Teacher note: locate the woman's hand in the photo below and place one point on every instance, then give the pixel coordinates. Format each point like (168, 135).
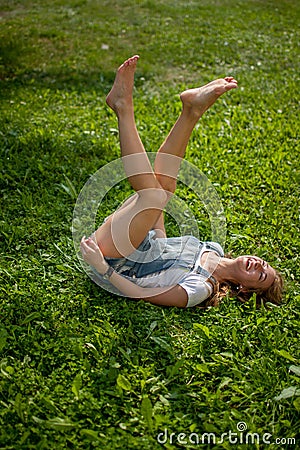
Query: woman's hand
(172, 296)
(92, 254)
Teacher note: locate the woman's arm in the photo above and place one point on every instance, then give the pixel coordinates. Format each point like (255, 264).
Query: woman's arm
(165, 296)
(172, 296)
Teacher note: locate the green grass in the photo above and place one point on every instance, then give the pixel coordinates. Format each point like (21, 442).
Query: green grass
(79, 367)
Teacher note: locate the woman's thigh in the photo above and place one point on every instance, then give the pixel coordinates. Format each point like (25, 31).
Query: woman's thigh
(124, 230)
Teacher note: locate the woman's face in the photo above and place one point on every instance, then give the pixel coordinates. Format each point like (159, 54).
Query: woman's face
(254, 272)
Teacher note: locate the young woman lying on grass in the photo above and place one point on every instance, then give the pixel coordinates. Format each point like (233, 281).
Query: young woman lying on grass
(131, 250)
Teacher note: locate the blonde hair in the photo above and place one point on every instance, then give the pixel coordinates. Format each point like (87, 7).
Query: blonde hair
(272, 294)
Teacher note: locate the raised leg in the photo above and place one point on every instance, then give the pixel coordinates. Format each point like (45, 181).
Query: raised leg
(159, 225)
(128, 226)
(194, 104)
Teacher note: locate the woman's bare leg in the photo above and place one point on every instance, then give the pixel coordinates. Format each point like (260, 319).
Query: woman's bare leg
(159, 225)
(128, 226)
(194, 104)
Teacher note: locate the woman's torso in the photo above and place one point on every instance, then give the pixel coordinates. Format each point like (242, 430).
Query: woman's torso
(164, 261)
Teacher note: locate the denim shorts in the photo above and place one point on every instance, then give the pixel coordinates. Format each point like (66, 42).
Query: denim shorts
(154, 255)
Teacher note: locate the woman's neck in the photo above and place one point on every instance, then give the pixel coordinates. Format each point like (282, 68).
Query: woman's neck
(220, 267)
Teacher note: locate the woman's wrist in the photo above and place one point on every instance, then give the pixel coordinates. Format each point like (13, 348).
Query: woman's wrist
(102, 268)
(108, 273)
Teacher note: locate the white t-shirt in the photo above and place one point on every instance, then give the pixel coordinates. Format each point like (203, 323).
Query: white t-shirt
(196, 285)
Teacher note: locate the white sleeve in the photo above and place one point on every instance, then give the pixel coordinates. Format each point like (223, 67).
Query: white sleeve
(196, 288)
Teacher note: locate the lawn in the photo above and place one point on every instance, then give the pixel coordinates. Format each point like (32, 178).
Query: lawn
(80, 367)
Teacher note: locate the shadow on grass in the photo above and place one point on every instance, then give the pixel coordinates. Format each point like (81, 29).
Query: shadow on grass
(62, 76)
(15, 75)
(56, 79)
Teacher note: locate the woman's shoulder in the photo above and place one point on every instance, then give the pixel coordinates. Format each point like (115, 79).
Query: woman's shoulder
(214, 246)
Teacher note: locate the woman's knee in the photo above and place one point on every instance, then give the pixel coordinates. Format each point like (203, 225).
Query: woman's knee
(154, 197)
(167, 183)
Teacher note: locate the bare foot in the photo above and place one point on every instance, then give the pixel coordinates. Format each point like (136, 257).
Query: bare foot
(200, 99)
(121, 93)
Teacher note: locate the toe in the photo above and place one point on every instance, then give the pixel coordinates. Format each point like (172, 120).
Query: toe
(133, 59)
(230, 80)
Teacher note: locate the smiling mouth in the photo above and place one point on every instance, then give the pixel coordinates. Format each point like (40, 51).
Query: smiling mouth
(248, 265)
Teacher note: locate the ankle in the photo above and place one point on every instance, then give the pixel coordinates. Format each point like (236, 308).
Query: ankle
(121, 107)
(124, 112)
(191, 113)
